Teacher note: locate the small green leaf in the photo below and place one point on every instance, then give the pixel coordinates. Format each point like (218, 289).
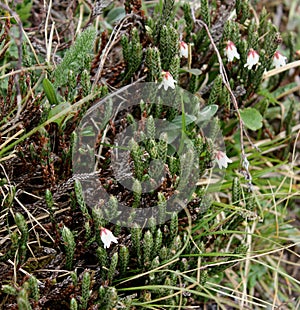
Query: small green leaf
(50, 92)
(251, 118)
(115, 14)
(189, 119)
(268, 95)
(209, 111)
(57, 109)
(192, 71)
(174, 128)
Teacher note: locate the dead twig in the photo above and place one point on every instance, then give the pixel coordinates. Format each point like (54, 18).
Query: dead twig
(112, 40)
(275, 71)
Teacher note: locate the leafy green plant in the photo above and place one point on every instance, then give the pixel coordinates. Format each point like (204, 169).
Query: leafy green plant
(86, 282)
(70, 245)
(22, 225)
(230, 247)
(132, 53)
(75, 58)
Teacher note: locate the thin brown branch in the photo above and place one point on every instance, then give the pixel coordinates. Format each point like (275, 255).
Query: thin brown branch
(275, 71)
(114, 37)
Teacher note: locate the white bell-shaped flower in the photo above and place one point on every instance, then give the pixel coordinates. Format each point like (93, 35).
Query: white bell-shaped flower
(167, 81)
(107, 237)
(184, 49)
(279, 60)
(231, 51)
(252, 59)
(222, 160)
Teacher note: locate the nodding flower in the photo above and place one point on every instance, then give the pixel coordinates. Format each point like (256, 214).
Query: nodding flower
(107, 237)
(167, 81)
(231, 51)
(252, 59)
(184, 49)
(222, 159)
(279, 60)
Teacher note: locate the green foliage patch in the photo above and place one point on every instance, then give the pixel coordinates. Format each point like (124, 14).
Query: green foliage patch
(233, 246)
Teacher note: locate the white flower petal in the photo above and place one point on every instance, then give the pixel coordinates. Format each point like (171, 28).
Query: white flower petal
(167, 81)
(107, 237)
(279, 60)
(184, 50)
(222, 160)
(231, 51)
(252, 59)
